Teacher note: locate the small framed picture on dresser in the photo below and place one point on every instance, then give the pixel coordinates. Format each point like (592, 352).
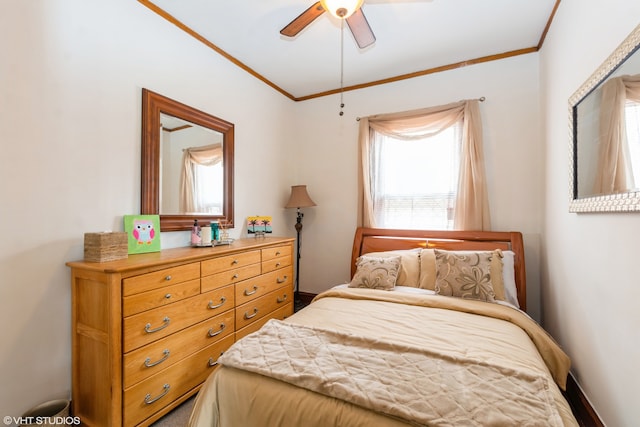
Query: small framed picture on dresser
(143, 233)
(258, 225)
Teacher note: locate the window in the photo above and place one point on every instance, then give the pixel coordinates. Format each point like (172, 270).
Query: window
(632, 122)
(208, 195)
(415, 181)
(424, 169)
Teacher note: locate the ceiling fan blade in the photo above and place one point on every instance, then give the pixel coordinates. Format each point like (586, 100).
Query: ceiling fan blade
(360, 29)
(304, 19)
(398, 1)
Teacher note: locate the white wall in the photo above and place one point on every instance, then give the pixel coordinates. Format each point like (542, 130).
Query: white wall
(70, 82)
(328, 159)
(589, 283)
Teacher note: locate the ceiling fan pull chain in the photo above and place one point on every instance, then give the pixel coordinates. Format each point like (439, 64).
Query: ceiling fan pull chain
(341, 66)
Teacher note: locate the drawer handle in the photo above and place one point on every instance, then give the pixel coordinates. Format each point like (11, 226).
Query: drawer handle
(149, 400)
(168, 278)
(279, 280)
(150, 364)
(147, 327)
(213, 334)
(213, 307)
(278, 264)
(277, 253)
(168, 296)
(247, 292)
(234, 262)
(248, 316)
(281, 300)
(235, 276)
(212, 362)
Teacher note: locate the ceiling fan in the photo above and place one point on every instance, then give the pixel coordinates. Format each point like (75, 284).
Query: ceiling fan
(348, 10)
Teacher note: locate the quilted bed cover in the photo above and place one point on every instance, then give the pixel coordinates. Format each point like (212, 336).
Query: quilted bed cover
(361, 357)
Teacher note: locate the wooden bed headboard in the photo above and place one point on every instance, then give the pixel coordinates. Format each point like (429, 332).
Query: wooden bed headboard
(377, 239)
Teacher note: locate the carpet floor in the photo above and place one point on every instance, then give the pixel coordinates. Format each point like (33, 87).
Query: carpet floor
(178, 417)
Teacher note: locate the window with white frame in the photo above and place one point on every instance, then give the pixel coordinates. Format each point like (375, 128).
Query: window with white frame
(415, 181)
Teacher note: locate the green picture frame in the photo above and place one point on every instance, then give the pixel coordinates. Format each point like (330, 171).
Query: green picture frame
(143, 233)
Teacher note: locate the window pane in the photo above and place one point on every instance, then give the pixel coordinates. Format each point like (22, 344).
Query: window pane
(632, 120)
(416, 181)
(208, 190)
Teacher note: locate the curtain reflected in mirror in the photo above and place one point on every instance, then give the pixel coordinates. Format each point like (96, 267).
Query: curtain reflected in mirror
(192, 168)
(605, 130)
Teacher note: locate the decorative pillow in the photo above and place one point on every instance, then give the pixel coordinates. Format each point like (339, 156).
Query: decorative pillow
(502, 276)
(376, 272)
(464, 274)
(409, 274)
(497, 280)
(427, 269)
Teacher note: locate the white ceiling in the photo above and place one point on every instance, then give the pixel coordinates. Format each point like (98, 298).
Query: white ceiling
(413, 36)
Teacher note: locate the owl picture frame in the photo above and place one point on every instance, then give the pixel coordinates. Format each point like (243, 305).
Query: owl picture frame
(143, 233)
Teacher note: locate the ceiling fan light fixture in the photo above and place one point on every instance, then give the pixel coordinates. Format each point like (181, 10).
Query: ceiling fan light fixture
(341, 9)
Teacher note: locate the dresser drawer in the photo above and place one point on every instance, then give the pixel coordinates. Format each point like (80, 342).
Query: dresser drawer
(276, 263)
(144, 301)
(152, 358)
(277, 252)
(280, 314)
(158, 279)
(217, 280)
(230, 262)
(251, 289)
(151, 395)
(260, 307)
(146, 327)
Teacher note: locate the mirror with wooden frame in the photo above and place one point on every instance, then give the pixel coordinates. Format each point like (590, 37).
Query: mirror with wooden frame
(187, 164)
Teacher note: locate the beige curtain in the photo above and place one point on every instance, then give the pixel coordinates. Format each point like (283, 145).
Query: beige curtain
(208, 155)
(472, 204)
(613, 160)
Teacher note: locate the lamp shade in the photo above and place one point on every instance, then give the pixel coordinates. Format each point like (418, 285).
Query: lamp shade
(341, 8)
(299, 198)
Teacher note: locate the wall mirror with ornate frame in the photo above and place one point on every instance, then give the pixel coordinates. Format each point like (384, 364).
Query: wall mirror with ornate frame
(187, 164)
(604, 124)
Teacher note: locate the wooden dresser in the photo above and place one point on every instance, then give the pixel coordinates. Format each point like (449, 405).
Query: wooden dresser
(147, 330)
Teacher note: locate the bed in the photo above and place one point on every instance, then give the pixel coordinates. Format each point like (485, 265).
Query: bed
(427, 333)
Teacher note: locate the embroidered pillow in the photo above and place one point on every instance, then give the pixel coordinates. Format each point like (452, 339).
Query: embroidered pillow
(376, 272)
(464, 275)
(409, 273)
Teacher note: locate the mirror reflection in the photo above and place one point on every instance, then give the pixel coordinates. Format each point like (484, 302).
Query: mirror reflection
(608, 134)
(605, 129)
(192, 167)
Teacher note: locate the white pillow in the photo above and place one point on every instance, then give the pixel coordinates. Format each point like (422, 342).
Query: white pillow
(509, 278)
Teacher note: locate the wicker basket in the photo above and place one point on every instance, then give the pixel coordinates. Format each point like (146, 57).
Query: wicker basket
(51, 413)
(105, 246)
